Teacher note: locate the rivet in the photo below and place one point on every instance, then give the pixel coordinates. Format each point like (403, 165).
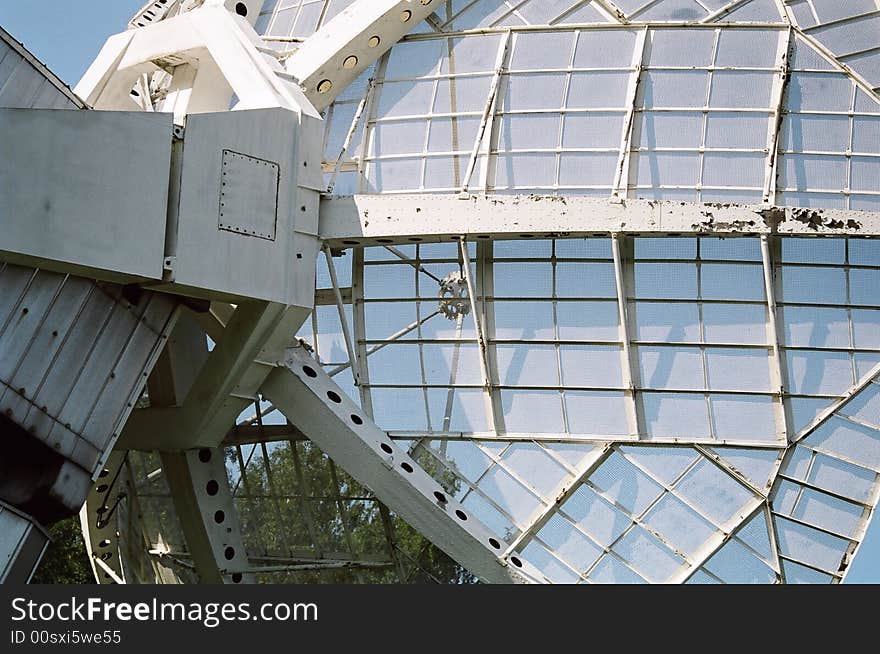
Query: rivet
(324, 86)
(405, 15)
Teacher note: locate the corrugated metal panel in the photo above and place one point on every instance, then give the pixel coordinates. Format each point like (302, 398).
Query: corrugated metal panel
(74, 355)
(26, 83)
(22, 543)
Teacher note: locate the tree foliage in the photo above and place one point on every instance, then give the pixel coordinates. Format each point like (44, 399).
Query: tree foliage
(65, 560)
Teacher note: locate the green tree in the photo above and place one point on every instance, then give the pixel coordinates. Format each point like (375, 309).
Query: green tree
(65, 560)
(302, 504)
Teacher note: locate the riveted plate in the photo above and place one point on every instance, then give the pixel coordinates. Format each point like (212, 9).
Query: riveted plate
(248, 195)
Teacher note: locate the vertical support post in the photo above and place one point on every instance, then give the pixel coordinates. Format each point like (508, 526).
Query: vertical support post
(360, 330)
(493, 415)
(777, 371)
(343, 320)
(629, 364)
(784, 52)
(488, 110)
(621, 174)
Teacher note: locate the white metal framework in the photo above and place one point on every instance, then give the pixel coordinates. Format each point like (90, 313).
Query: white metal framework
(596, 294)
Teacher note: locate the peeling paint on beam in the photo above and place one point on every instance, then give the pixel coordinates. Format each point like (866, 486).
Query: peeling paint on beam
(382, 219)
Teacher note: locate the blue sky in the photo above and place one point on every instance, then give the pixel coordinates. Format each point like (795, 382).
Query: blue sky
(64, 34)
(67, 35)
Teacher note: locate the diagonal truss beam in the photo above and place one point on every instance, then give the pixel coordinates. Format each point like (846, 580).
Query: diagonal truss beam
(332, 58)
(304, 392)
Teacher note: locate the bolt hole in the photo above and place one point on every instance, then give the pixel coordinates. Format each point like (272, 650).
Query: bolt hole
(406, 466)
(229, 553)
(386, 448)
(310, 372)
(241, 9)
(494, 543)
(334, 397)
(219, 517)
(236, 577)
(103, 473)
(440, 497)
(356, 419)
(102, 488)
(204, 455)
(212, 487)
(384, 240)
(516, 561)
(461, 514)
(104, 543)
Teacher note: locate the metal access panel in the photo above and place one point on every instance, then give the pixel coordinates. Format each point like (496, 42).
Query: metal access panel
(249, 196)
(235, 233)
(85, 190)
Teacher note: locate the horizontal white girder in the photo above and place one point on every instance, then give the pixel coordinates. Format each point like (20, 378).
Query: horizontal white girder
(382, 219)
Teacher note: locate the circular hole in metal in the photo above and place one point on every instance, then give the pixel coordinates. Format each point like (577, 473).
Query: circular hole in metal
(219, 517)
(414, 239)
(350, 62)
(204, 455)
(384, 240)
(241, 8)
(374, 42)
(356, 419)
(236, 577)
(461, 515)
(350, 243)
(104, 543)
(229, 553)
(106, 556)
(324, 86)
(406, 466)
(440, 497)
(310, 372)
(527, 236)
(103, 473)
(102, 488)
(212, 487)
(494, 543)
(405, 16)
(516, 561)
(386, 448)
(334, 397)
